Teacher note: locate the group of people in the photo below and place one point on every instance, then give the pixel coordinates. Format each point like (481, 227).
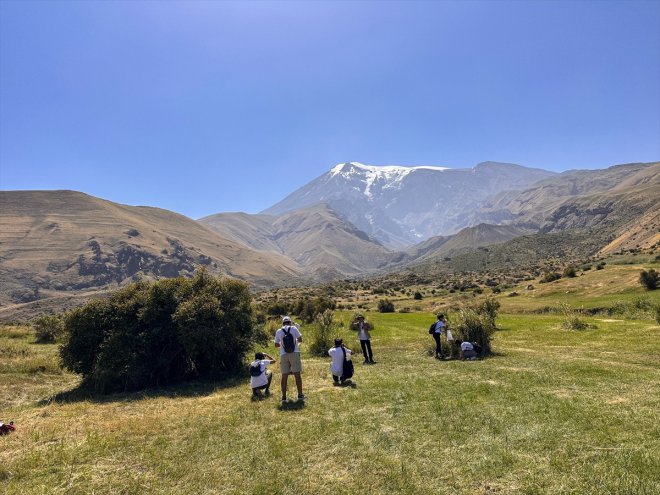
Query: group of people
(288, 340)
(468, 350)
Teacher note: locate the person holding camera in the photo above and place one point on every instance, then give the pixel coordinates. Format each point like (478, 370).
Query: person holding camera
(260, 376)
(288, 339)
(362, 327)
(338, 367)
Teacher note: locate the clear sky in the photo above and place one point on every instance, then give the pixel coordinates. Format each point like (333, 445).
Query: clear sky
(202, 107)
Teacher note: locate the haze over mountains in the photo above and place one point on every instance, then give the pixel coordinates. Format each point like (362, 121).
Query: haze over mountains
(401, 206)
(353, 220)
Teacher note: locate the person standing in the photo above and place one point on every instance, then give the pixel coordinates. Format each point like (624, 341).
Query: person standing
(260, 376)
(288, 339)
(363, 327)
(438, 329)
(339, 355)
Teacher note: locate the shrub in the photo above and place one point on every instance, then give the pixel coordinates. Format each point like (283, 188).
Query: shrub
(322, 333)
(569, 272)
(152, 334)
(649, 279)
(307, 309)
(639, 308)
(385, 306)
(48, 328)
(278, 308)
(489, 308)
(572, 320)
(549, 277)
(472, 326)
(418, 296)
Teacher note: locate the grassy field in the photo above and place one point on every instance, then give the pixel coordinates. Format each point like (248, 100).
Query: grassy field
(554, 411)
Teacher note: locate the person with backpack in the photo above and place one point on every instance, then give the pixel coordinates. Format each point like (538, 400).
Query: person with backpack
(260, 376)
(437, 329)
(288, 339)
(341, 366)
(363, 327)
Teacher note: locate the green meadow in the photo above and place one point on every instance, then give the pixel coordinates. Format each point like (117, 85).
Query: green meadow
(554, 411)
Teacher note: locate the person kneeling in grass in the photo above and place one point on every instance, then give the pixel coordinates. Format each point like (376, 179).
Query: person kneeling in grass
(260, 376)
(339, 355)
(467, 350)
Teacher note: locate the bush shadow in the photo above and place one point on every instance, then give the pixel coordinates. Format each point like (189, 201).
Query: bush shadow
(181, 390)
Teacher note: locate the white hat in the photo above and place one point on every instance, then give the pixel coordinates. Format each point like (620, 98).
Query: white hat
(286, 319)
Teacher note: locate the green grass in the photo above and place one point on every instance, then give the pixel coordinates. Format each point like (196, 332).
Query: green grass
(555, 411)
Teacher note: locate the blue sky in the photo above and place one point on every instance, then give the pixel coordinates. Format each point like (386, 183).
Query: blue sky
(201, 107)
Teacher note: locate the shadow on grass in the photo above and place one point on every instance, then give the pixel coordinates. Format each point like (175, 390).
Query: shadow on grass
(346, 384)
(291, 405)
(184, 389)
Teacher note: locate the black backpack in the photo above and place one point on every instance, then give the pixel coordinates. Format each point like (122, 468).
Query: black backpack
(348, 366)
(288, 342)
(255, 369)
(432, 328)
(477, 348)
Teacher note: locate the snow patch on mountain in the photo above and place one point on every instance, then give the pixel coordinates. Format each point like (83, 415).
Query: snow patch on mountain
(387, 177)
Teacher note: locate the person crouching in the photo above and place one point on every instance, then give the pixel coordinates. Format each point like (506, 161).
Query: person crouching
(340, 355)
(260, 376)
(467, 350)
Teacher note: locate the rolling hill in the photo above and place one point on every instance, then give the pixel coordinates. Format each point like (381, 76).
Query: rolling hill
(316, 238)
(55, 242)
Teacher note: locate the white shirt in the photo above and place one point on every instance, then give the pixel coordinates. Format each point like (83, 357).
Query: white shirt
(261, 380)
(439, 327)
(466, 346)
(337, 364)
(279, 335)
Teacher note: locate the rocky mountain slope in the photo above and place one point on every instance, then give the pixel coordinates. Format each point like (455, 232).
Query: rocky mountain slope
(401, 206)
(467, 239)
(316, 238)
(54, 242)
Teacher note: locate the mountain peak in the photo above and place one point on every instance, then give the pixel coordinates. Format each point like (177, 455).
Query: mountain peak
(381, 170)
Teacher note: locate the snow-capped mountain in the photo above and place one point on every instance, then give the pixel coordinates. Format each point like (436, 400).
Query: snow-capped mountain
(401, 206)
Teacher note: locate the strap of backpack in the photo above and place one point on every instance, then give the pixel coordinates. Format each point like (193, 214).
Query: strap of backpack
(344, 351)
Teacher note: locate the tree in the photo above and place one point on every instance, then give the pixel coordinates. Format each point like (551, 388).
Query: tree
(649, 279)
(152, 334)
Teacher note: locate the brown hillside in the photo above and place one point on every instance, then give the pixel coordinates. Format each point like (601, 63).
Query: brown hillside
(320, 241)
(55, 241)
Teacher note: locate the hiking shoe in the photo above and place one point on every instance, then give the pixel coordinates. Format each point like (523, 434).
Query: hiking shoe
(284, 401)
(301, 397)
(267, 393)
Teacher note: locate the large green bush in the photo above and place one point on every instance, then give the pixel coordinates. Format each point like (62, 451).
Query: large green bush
(152, 334)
